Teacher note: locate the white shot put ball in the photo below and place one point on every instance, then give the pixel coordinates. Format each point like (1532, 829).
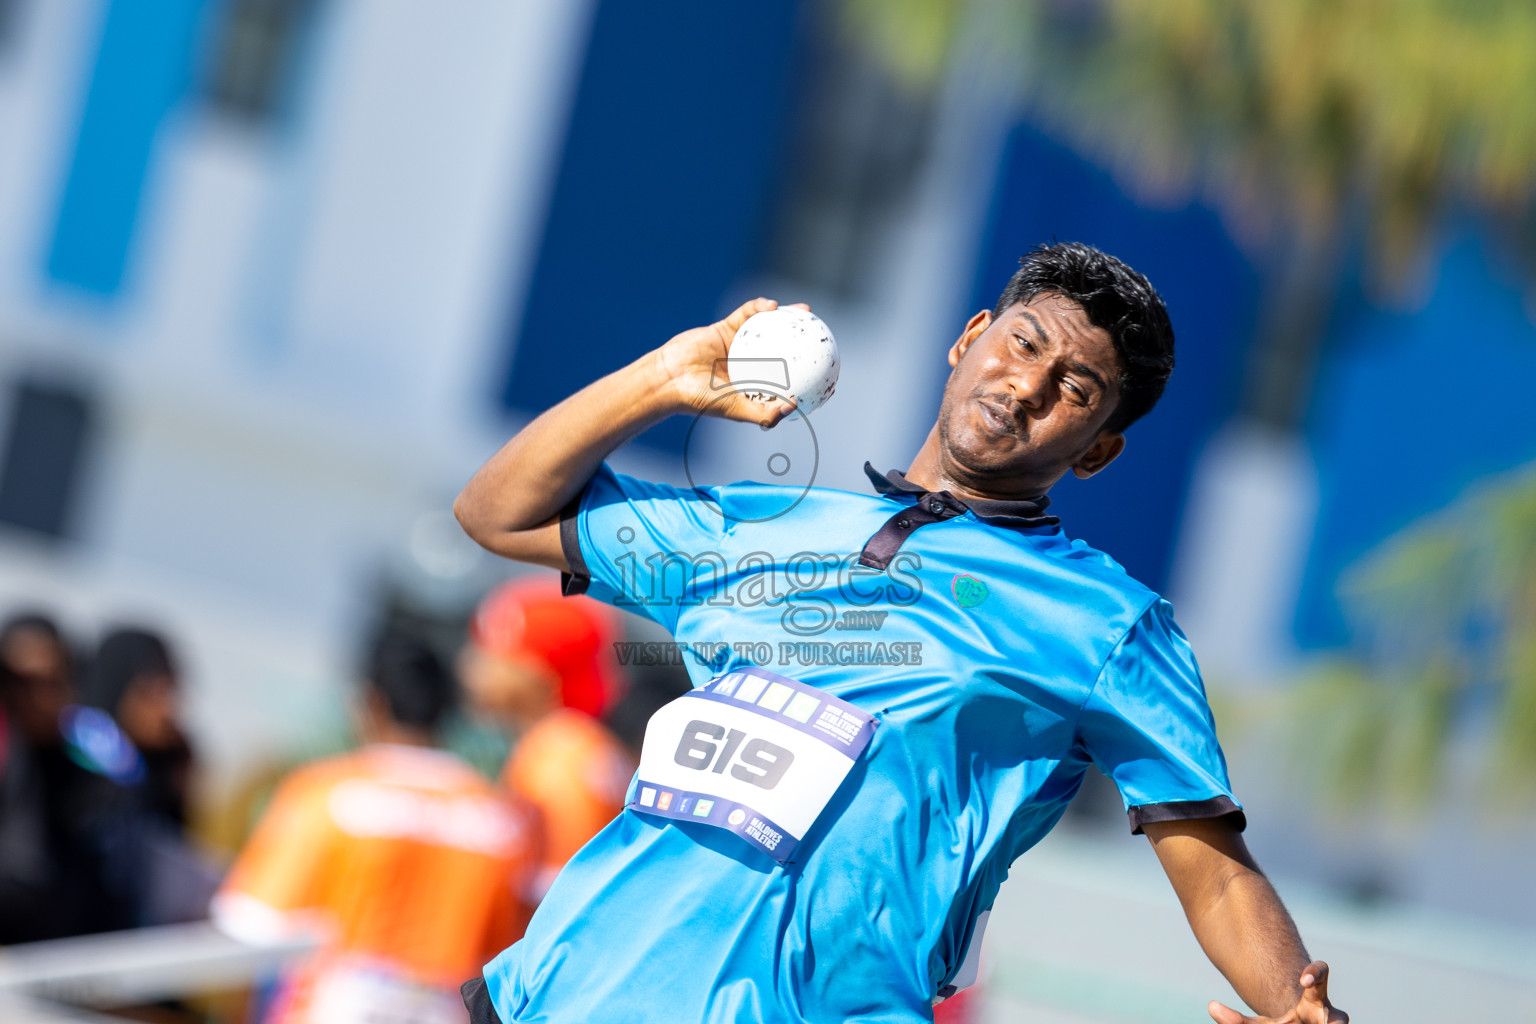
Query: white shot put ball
(784, 353)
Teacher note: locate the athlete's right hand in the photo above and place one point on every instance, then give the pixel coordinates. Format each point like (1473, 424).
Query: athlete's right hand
(1312, 1008)
(693, 364)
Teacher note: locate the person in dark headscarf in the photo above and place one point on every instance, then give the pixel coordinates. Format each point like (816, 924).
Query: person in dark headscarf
(37, 665)
(34, 688)
(70, 849)
(133, 678)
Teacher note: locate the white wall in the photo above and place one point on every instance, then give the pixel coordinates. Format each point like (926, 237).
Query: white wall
(304, 359)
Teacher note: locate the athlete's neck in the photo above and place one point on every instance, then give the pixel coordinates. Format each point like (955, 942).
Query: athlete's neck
(931, 471)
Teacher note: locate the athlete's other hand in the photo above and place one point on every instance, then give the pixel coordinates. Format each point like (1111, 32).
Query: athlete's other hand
(1312, 1008)
(694, 365)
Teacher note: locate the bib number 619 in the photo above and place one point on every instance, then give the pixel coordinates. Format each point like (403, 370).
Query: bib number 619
(707, 746)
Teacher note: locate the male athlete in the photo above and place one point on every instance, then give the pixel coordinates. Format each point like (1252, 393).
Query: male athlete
(817, 832)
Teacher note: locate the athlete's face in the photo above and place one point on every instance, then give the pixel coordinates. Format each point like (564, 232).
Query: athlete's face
(1027, 400)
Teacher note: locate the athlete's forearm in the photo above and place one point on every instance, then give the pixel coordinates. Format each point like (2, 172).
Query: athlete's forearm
(547, 462)
(1233, 910)
(1250, 937)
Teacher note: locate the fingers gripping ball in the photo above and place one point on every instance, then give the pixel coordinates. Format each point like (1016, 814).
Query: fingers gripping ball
(784, 353)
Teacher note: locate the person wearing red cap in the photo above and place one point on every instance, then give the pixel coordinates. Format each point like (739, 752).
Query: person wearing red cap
(544, 665)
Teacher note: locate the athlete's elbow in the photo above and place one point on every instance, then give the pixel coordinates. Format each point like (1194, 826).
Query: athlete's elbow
(472, 517)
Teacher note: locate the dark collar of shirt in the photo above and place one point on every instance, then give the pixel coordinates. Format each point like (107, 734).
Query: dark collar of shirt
(1026, 514)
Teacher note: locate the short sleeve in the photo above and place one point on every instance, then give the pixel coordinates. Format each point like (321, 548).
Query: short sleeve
(1148, 726)
(645, 547)
(284, 861)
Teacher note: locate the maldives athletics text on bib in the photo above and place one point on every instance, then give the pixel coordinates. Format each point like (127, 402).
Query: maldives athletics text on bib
(752, 752)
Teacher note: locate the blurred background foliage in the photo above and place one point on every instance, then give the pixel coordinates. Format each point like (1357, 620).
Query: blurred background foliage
(1319, 128)
(912, 38)
(1444, 615)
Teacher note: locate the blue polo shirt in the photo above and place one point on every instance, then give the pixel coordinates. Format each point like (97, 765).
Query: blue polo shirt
(998, 658)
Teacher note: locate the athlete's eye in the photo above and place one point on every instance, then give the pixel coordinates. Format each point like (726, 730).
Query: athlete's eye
(1025, 343)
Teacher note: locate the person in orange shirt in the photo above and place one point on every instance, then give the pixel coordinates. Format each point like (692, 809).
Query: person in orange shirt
(412, 865)
(544, 664)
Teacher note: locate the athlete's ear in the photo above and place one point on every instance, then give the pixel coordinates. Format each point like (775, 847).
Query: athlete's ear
(1104, 450)
(973, 328)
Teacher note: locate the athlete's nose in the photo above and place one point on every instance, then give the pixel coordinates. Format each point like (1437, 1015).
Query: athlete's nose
(1029, 386)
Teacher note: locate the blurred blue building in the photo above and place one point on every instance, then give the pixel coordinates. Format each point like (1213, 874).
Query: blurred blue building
(276, 275)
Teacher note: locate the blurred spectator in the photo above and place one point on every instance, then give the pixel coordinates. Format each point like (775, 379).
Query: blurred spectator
(410, 863)
(133, 678)
(71, 851)
(29, 668)
(38, 666)
(544, 665)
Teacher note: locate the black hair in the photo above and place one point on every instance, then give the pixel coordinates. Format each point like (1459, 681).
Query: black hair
(417, 688)
(1118, 300)
(123, 656)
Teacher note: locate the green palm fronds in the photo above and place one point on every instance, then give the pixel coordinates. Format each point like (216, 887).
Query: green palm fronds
(911, 37)
(1444, 616)
(1292, 118)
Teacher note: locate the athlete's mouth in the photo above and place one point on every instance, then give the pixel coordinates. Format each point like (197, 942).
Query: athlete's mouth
(998, 418)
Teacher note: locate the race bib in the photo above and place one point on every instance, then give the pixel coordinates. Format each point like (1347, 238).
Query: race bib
(751, 752)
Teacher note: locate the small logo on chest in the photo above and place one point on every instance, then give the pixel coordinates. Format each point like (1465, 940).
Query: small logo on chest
(968, 590)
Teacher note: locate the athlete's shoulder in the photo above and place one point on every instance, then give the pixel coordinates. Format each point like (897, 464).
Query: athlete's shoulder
(1093, 568)
(754, 501)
